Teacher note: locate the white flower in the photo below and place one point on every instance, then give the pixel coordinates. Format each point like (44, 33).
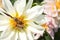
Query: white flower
(17, 21)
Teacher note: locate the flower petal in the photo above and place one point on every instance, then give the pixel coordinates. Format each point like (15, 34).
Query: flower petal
(29, 35)
(20, 5)
(3, 20)
(14, 36)
(33, 12)
(4, 23)
(50, 8)
(41, 19)
(2, 11)
(5, 33)
(4, 27)
(29, 4)
(37, 26)
(34, 30)
(52, 23)
(51, 32)
(37, 36)
(22, 36)
(8, 7)
(40, 28)
(10, 37)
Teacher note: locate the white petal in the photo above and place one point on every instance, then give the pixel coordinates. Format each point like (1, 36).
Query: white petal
(29, 35)
(3, 17)
(29, 4)
(51, 32)
(20, 5)
(14, 36)
(8, 6)
(10, 37)
(37, 36)
(3, 28)
(3, 14)
(2, 11)
(37, 26)
(5, 33)
(41, 19)
(34, 30)
(22, 36)
(3, 21)
(33, 12)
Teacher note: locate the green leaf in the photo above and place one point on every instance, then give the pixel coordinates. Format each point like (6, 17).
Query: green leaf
(57, 35)
(37, 1)
(0, 14)
(12, 1)
(46, 36)
(0, 32)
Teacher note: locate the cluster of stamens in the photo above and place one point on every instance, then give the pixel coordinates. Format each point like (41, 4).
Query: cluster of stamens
(19, 23)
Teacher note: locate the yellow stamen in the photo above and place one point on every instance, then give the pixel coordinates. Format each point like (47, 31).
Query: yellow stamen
(44, 26)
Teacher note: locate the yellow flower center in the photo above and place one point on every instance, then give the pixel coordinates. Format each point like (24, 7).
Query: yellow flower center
(18, 23)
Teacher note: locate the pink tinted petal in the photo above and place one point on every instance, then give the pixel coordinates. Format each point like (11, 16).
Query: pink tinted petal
(51, 22)
(50, 8)
(51, 32)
